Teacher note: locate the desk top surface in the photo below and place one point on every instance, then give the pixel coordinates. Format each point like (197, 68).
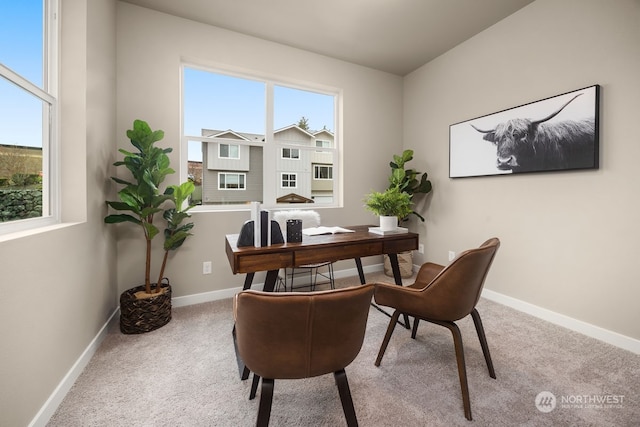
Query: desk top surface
(361, 234)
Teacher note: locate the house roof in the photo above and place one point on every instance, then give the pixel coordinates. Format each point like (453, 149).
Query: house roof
(294, 198)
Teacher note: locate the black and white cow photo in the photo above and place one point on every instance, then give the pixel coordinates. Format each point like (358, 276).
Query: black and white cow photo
(557, 133)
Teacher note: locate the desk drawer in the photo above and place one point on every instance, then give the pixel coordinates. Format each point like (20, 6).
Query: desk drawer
(397, 246)
(337, 252)
(264, 262)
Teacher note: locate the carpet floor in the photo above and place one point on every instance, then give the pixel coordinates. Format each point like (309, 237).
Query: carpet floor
(185, 374)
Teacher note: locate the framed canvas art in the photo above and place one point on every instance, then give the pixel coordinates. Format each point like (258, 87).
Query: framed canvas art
(553, 134)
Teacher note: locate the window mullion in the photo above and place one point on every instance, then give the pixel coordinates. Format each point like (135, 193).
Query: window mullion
(269, 159)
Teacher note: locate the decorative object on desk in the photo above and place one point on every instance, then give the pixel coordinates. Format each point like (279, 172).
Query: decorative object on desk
(246, 236)
(143, 200)
(553, 134)
(294, 230)
(390, 203)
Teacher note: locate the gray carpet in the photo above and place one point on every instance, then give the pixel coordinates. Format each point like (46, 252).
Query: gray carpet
(185, 374)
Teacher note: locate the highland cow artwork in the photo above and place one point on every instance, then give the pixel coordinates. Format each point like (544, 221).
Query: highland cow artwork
(553, 134)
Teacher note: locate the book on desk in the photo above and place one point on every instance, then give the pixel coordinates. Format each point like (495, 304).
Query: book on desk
(397, 230)
(317, 231)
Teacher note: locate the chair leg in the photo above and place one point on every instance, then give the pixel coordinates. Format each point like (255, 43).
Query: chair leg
(254, 386)
(462, 370)
(483, 342)
(415, 327)
(345, 397)
(387, 336)
(266, 397)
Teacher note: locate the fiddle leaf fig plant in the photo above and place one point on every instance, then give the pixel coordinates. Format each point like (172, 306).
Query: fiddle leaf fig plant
(409, 180)
(141, 198)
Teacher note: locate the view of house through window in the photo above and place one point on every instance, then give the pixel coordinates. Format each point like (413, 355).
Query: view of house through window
(235, 155)
(26, 110)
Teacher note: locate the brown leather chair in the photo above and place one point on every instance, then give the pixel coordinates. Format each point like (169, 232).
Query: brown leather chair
(301, 335)
(442, 295)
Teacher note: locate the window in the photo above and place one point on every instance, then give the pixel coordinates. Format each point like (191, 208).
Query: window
(229, 151)
(27, 114)
(322, 143)
(238, 125)
(322, 172)
(289, 180)
(231, 181)
(290, 153)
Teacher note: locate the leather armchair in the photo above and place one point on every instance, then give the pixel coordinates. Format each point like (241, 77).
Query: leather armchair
(300, 335)
(442, 295)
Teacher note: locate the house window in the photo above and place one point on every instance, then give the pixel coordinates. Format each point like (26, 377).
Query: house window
(28, 103)
(290, 153)
(320, 143)
(289, 180)
(231, 181)
(322, 172)
(270, 122)
(227, 151)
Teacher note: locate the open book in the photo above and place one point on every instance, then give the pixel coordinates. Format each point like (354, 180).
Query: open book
(316, 231)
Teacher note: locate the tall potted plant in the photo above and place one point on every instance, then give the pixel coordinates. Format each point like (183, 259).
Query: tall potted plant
(409, 180)
(148, 307)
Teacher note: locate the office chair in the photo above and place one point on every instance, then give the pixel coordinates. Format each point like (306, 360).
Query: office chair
(443, 295)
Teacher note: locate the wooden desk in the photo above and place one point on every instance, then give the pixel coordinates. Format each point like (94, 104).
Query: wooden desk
(315, 249)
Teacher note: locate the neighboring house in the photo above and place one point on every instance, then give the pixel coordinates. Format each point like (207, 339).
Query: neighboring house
(233, 173)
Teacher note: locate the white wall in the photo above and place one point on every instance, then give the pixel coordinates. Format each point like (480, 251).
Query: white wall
(570, 241)
(150, 48)
(58, 287)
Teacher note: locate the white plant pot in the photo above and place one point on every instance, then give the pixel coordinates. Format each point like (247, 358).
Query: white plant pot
(388, 223)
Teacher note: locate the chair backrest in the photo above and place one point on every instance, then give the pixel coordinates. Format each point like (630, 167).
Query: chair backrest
(301, 334)
(309, 218)
(455, 291)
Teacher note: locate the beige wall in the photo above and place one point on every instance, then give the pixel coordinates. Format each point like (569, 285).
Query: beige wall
(58, 287)
(570, 241)
(150, 47)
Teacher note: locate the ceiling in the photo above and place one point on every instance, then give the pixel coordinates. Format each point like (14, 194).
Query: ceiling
(396, 36)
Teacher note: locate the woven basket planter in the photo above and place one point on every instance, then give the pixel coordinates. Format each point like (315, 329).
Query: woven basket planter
(405, 262)
(138, 316)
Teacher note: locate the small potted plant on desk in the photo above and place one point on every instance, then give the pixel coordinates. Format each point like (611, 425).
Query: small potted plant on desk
(391, 205)
(148, 307)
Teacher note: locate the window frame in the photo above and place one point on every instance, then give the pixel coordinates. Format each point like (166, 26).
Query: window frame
(237, 148)
(315, 172)
(289, 179)
(291, 151)
(239, 175)
(271, 147)
(48, 95)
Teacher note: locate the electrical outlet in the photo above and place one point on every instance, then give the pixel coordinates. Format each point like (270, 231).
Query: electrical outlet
(421, 248)
(206, 267)
(452, 255)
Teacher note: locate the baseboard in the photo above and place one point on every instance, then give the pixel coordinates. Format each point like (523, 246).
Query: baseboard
(610, 337)
(51, 405)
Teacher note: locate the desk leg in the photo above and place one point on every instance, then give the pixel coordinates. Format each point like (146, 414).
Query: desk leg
(248, 280)
(360, 270)
(395, 267)
(270, 280)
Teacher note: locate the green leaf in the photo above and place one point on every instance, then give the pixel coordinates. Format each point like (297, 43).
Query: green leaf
(114, 219)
